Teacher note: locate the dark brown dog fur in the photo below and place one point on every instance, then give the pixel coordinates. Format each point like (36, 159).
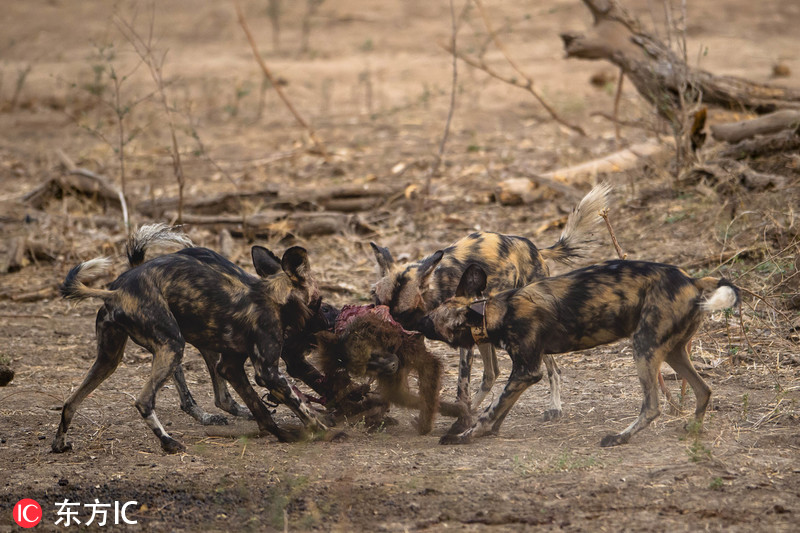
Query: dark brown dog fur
(371, 346)
(296, 343)
(659, 306)
(176, 298)
(412, 290)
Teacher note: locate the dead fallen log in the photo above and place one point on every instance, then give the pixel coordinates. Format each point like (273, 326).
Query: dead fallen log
(532, 186)
(734, 132)
(78, 182)
(208, 205)
(23, 251)
(343, 198)
(725, 172)
(786, 141)
(282, 223)
(47, 291)
(658, 74)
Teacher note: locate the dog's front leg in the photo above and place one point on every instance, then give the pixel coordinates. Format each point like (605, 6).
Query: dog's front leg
(465, 417)
(265, 362)
(490, 371)
(490, 420)
(231, 367)
(554, 376)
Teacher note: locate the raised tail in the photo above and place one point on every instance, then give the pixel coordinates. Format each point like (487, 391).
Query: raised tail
(150, 235)
(576, 234)
(73, 287)
(725, 294)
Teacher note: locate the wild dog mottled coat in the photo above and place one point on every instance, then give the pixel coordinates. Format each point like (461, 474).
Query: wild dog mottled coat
(412, 290)
(659, 306)
(176, 298)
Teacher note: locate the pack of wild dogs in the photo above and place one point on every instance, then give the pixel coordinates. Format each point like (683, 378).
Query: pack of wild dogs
(488, 290)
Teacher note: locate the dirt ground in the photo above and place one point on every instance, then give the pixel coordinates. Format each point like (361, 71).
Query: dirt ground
(376, 86)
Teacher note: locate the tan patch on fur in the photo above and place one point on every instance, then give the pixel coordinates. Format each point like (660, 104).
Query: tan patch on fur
(279, 288)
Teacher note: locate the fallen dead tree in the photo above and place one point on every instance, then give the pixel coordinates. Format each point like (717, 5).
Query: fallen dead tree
(658, 74)
(78, 182)
(678, 92)
(273, 223)
(734, 132)
(346, 198)
(532, 186)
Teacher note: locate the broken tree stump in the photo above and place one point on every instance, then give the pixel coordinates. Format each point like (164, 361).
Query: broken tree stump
(658, 74)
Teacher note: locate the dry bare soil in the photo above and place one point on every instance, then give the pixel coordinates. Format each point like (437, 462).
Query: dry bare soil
(375, 84)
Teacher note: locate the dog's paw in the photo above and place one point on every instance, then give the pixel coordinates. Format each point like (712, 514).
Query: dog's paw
(693, 427)
(552, 414)
(170, 445)
(614, 440)
(460, 426)
(422, 427)
(295, 434)
(214, 420)
(326, 418)
(241, 412)
(336, 436)
(449, 439)
(61, 447)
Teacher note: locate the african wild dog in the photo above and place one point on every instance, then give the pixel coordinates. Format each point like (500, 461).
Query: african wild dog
(176, 298)
(368, 342)
(659, 306)
(296, 343)
(412, 290)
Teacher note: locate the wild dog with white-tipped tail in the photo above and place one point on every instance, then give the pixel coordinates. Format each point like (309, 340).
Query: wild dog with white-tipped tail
(658, 306)
(412, 290)
(177, 298)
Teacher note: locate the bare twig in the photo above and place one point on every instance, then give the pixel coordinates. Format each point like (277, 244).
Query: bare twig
(617, 134)
(275, 83)
(528, 81)
(437, 163)
(753, 350)
(758, 296)
(144, 48)
(604, 214)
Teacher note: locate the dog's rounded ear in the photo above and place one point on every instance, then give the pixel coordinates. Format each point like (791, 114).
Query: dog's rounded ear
(295, 264)
(473, 282)
(265, 262)
(384, 258)
(428, 265)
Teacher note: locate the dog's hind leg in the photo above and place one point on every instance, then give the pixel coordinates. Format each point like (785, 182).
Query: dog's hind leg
(111, 342)
(490, 372)
(222, 397)
(554, 376)
(166, 359)
(190, 406)
(680, 361)
(648, 362)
